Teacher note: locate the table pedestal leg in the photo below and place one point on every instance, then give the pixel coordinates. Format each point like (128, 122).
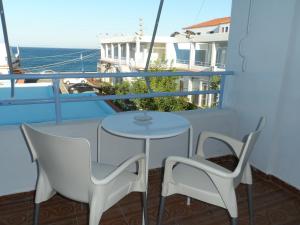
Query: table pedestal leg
(190, 154)
(147, 153)
(99, 128)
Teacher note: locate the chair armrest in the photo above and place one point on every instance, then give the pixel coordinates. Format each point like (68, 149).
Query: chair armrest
(140, 158)
(235, 144)
(222, 179)
(209, 167)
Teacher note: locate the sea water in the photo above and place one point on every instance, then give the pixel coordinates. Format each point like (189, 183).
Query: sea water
(58, 59)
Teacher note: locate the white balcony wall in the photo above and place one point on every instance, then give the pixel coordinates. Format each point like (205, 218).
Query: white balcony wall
(270, 83)
(170, 54)
(205, 30)
(18, 173)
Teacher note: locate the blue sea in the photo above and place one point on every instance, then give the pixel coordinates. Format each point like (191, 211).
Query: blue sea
(58, 59)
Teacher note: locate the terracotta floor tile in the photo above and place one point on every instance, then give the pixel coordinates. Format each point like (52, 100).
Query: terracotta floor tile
(273, 206)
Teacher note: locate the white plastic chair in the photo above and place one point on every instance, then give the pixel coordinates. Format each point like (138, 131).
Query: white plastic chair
(65, 167)
(209, 182)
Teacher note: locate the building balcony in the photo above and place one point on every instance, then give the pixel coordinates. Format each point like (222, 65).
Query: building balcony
(265, 82)
(17, 192)
(271, 197)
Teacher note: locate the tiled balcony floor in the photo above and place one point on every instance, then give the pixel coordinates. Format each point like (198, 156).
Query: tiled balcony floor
(272, 204)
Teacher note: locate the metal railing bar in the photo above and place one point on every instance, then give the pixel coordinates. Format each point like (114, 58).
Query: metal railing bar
(7, 47)
(58, 98)
(152, 43)
(70, 98)
(104, 75)
(138, 96)
(221, 96)
(8, 102)
(57, 101)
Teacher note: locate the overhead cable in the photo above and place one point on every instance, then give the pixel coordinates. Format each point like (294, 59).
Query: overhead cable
(61, 63)
(52, 56)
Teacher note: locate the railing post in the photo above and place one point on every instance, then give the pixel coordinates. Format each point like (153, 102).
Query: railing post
(8, 55)
(152, 43)
(221, 96)
(57, 101)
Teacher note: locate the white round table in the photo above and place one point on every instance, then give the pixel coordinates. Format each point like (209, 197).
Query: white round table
(162, 125)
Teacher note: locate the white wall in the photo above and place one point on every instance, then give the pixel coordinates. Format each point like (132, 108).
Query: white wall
(205, 30)
(170, 54)
(270, 83)
(18, 173)
(224, 25)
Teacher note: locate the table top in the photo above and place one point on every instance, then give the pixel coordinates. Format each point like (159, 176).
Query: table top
(161, 125)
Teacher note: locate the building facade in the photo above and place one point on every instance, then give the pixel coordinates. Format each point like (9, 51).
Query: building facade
(200, 47)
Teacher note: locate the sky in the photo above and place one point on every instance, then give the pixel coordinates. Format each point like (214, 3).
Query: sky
(79, 23)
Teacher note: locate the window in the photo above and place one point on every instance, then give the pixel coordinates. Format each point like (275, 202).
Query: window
(181, 85)
(116, 52)
(144, 46)
(200, 57)
(123, 50)
(195, 99)
(108, 51)
(221, 57)
(182, 52)
(132, 47)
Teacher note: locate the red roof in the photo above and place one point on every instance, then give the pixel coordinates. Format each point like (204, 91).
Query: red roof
(210, 23)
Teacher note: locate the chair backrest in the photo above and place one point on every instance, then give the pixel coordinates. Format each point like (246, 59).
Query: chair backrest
(65, 161)
(248, 147)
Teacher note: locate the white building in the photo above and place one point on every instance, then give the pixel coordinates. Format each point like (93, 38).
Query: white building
(201, 47)
(206, 46)
(133, 50)
(270, 65)
(218, 25)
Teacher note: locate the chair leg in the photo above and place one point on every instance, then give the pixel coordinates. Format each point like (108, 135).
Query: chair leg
(36, 214)
(161, 210)
(234, 221)
(96, 210)
(250, 204)
(145, 208)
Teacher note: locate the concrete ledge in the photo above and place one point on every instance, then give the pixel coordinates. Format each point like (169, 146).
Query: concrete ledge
(18, 173)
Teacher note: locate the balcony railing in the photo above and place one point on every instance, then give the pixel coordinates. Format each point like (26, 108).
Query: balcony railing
(201, 63)
(57, 98)
(183, 61)
(220, 65)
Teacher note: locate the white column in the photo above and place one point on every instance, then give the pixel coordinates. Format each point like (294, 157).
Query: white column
(200, 96)
(102, 51)
(127, 54)
(112, 50)
(213, 55)
(192, 55)
(106, 50)
(119, 53)
(210, 98)
(137, 51)
(138, 46)
(170, 54)
(190, 87)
